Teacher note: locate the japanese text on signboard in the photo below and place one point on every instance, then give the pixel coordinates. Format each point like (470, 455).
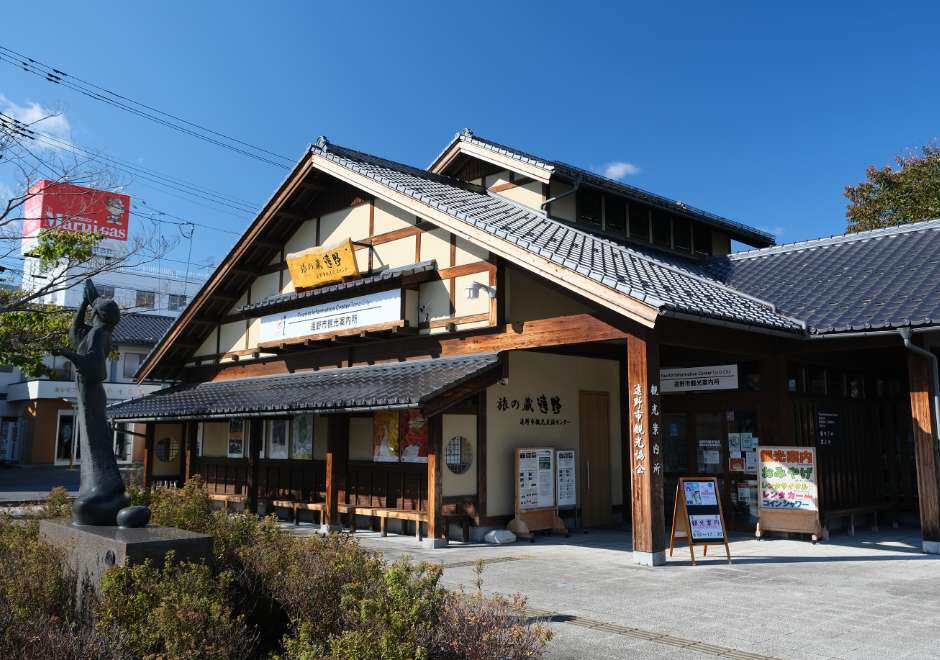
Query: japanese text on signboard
(646, 458)
(535, 409)
(320, 265)
(788, 478)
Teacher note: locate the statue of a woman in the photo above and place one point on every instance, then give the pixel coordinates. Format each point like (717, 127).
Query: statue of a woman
(101, 495)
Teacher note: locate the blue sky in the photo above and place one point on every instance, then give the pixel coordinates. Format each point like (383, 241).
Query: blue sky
(759, 113)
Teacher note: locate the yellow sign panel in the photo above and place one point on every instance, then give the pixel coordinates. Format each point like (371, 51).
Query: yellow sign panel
(321, 265)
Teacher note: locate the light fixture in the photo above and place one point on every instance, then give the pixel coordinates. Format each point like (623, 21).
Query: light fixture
(473, 290)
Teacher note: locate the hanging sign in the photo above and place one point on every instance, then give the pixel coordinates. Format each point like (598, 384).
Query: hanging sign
(320, 265)
(369, 310)
(688, 379)
(535, 493)
(787, 494)
(566, 469)
(697, 515)
(385, 436)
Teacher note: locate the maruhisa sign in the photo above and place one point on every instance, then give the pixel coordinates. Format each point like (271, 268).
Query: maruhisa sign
(320, 265)
(688, 379)
(373, 309)
(52, 205)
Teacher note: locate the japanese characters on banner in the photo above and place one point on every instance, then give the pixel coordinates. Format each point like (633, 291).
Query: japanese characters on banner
(385, 436)
(566, 471)
(535, 409)
(414, 446)
(646, 459)
(788, 478)
(536, 479)
(320, 265)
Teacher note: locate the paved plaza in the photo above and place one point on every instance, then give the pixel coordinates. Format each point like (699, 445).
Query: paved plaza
(31, 484)
(874, 595)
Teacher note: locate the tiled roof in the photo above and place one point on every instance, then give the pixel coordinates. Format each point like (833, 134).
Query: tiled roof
(660, 283)
(141, 329)
(397, 385)
(736, 229)
(886, 278)
(385, 277)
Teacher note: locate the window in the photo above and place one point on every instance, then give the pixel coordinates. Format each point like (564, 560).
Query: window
(276, 438)
(105, 291)
(681, 234)
(236, 438)
(146, 299)
(662, 229)
(590, 207)
(177, 302)
(132, 363)
(639, 222)
(302, 438)
(615, 215)
(702, 239)
(458, 454)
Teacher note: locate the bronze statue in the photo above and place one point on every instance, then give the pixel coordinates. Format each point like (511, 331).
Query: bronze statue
(101, 497)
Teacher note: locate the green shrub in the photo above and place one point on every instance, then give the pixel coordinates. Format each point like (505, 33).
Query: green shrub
(186, 508)
(34, 578)
(58, 504)
(175, 611)
(138, 495)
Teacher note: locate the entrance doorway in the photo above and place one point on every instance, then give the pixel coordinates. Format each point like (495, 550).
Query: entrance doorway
(66, 439)
(594, 409)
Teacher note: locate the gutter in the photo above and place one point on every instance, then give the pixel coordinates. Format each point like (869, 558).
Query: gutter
(577, 184)
(934, 377)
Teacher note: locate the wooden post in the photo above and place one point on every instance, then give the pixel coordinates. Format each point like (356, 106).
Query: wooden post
(645, 450)
(925, 452)
(255, 441)
(337, 454)
(190, 430)
(437, 535)
(149, 433)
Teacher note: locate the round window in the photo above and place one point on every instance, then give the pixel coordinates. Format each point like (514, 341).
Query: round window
(458, 454)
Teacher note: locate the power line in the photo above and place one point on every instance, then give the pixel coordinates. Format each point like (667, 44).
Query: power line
(97, 92)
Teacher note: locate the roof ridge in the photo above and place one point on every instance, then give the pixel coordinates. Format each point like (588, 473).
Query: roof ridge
(838, 239)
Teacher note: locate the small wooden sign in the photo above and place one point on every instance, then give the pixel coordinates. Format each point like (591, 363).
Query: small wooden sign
(320, 265)
(698, 517)
(787, 497)
(535, 494)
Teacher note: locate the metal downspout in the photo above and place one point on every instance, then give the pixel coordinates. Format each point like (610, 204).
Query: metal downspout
(577, 184)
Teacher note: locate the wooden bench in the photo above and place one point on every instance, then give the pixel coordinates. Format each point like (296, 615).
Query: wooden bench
(412, 515)
(228, 499)
(296, 507)
(851, 512)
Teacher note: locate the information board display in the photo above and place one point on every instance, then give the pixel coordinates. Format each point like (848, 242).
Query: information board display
(787, 494)
(535, 493)
(698, 516)
(566, 470)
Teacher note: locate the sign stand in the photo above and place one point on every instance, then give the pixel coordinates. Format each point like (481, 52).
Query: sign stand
(698, 516)
(566, 484)
(788, 496)
(535, 494)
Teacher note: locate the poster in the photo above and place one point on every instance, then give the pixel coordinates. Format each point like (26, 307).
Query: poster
(385, 436)
(302, 437)
(566, 468)
(788, 478)
(700, 493)
(536, 479)
(236, 438)
(742, 452)
(414, 446)
(706, 526)
(277, 438)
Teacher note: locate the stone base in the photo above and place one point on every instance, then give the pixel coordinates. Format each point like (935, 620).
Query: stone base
(932, 547)
(649, 558)
(91, 550)
(433, 544)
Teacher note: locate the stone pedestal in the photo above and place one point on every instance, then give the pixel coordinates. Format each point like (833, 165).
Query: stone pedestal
(91, 550)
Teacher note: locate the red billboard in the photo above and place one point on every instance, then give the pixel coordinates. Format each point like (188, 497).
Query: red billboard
(53, 205)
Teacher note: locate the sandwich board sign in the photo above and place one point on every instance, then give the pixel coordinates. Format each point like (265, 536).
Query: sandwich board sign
(697, 516)
(535, 506)
(788, 500)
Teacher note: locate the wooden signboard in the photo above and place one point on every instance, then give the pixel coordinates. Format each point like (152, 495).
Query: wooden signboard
(320, 265)
(787, 498)
(697, 516)
(535, 494)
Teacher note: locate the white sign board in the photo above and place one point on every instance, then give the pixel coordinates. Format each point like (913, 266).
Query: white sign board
(536, 479)
(371, 309)
(688, 379)
(566, 484)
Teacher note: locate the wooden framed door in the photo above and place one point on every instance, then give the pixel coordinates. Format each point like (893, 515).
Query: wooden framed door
(594, 412)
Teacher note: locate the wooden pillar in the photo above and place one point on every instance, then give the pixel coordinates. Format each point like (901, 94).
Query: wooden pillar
(337, 455)
(190, 431)
(255, 441)
(437, 535)
(645, 450)
(149, 433)
(925, 451)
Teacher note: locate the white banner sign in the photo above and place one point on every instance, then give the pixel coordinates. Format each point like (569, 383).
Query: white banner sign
(372, 309)
(687, 379)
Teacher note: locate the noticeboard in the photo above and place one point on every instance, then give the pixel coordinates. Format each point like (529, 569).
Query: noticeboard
(827, 428)
(535, 493)
(787, 492)
(566, 485)
(698, 516)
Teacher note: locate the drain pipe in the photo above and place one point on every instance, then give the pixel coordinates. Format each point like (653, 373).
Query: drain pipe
(934, 377)
(577, 184)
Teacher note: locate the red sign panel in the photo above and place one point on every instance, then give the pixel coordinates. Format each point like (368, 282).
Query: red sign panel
(72, 208)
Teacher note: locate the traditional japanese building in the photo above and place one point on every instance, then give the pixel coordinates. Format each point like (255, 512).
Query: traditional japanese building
(383, 338)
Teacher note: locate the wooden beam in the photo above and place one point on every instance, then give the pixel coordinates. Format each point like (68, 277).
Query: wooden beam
(926, 455)
(255, 442)
(190, 434)
(645, 450)
(337, 455)
(150, 432)
(435, 488)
